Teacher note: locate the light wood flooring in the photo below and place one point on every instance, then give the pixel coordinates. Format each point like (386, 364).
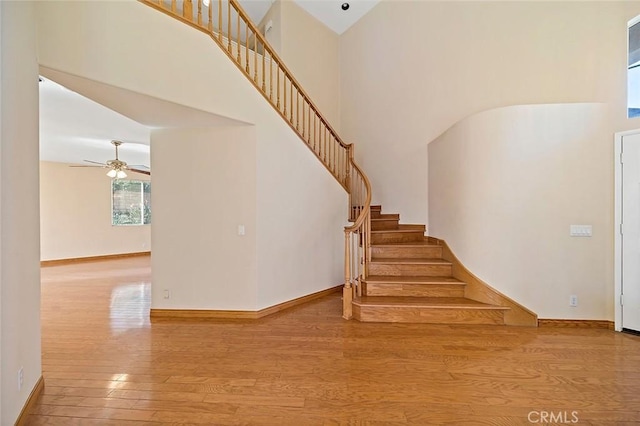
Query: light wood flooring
(105, 364)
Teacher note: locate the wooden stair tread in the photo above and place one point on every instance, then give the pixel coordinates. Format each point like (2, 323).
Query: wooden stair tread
(410, 261)
(424, 302)
(401, 228)
(411, 282)
(424, 243)
(386, 216)
(395, 279)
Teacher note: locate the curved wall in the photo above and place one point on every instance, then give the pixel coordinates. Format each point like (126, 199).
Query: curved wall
(504, 187)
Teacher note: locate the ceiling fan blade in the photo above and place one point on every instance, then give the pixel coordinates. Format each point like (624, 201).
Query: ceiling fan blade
(97, 167)
(139, 166)
(95, 162)
(144, 172)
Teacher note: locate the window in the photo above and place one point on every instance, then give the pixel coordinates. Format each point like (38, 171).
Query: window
(633, 95)
(130, 202)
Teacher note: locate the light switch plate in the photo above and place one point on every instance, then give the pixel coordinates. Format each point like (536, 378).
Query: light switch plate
(580, 230)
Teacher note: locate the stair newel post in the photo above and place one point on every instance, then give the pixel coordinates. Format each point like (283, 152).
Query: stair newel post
(347, 291)
(187, 10)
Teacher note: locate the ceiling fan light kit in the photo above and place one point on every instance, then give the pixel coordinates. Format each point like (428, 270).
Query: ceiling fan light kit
(118, 174)
(117, 167)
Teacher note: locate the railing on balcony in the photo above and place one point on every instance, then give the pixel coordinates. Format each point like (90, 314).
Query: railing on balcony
(231, 28)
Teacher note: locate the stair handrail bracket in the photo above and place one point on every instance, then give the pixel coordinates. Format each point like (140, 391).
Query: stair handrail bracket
(226, 22)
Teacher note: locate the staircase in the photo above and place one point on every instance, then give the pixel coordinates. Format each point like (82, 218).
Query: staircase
(393, 273)
(408, 280)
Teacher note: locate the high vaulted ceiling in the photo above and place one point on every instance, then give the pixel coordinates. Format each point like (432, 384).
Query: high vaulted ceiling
(329, 12)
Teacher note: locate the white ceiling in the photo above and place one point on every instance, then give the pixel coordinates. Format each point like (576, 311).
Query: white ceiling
(74, 128)
(329, 12)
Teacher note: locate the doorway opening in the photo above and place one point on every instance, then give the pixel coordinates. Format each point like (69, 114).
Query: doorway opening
(627, 231)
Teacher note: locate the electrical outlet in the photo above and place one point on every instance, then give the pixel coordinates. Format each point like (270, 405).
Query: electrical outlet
(167, 294)
(573, 300)
(20, 378)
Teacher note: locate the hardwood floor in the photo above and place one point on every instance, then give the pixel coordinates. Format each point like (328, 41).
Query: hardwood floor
(105, 363)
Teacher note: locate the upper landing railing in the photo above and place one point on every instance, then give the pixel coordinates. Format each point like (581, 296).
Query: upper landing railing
(231, 28)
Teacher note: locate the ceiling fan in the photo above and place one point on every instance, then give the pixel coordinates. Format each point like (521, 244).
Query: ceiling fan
(117, 167)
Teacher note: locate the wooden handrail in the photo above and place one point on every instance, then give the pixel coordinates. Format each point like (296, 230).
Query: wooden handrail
(297, 109)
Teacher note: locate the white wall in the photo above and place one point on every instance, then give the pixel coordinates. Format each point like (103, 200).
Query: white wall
(188, 68)
(302, 211)
(75, 215)
(307, 213)
(19, 211)
(506, 184)
(411, 69)
(197, 253)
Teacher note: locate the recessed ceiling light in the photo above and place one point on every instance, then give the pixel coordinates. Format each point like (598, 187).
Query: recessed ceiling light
(345, 6)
